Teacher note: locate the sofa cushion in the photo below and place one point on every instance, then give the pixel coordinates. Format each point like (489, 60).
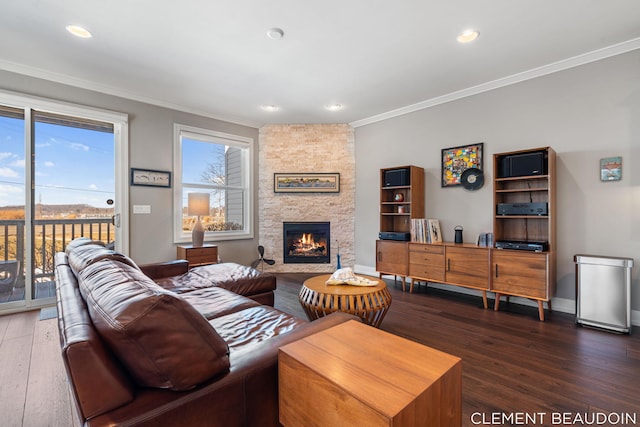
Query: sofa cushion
(161, 339)
(237, 278)
(88, 253)
(254, 325)
(216, 302)
(184, 283)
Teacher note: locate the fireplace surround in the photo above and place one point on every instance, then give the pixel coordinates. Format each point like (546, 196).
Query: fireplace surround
(310, 148)
(306, 242)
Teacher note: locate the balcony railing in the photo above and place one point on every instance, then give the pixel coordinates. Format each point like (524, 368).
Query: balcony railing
(49, 236)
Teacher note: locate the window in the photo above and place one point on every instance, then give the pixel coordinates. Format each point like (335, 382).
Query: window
(219, 164)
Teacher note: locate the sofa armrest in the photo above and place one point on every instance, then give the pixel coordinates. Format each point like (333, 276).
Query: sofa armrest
(165, 269)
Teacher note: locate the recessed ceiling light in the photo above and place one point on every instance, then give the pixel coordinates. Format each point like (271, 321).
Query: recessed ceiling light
(334, 107)
(468, 36)
(270, 108)
(79, 31)
(275, 33)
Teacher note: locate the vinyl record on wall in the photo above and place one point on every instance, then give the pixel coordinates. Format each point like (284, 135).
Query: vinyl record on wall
(472, 179)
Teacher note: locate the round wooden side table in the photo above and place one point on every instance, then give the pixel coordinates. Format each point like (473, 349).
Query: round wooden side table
(370, 303)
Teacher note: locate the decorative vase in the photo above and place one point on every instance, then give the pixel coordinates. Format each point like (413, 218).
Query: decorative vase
(398, 197)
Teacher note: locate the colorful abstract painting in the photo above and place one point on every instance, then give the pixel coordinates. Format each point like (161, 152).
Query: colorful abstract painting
(456, 160)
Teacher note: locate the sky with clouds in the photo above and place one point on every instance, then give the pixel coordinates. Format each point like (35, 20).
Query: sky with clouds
(72, 166)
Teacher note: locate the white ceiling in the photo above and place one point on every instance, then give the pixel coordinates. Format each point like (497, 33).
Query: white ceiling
(377, 58)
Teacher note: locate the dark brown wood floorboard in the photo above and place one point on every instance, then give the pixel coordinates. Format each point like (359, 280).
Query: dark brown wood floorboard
(511, 361)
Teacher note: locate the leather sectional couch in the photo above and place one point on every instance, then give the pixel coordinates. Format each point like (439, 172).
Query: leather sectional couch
(162, 345)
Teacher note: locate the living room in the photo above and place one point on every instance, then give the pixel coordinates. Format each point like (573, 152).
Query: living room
(584, 107)
(572, 111)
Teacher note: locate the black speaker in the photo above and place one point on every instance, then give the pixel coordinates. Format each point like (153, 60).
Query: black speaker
(504, 167)
(525, 164)
(396, 178)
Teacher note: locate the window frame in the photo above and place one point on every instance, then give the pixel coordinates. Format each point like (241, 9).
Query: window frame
(214, 137)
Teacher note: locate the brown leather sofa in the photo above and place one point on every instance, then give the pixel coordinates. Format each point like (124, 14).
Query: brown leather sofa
(174, 347)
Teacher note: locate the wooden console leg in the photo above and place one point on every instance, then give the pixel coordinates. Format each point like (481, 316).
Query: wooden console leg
(541, 310)
(403, 283)
(549, 305)
(411, 286)
(496, 306)
(484, 299)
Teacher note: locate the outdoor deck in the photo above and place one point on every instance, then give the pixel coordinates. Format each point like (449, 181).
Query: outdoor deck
(49, 236)
(43, 290)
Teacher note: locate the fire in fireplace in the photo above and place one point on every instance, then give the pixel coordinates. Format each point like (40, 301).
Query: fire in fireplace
(306, 242)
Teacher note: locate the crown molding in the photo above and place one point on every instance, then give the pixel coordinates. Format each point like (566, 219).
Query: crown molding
(544, 70)
(555, 67)
(113, 91)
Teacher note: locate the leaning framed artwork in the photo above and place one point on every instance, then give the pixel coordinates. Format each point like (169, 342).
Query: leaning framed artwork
(456, 160)
(306, 182)
(435, 235)
(150, 178)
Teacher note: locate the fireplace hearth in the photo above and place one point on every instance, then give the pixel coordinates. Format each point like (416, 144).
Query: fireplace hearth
(306, 242)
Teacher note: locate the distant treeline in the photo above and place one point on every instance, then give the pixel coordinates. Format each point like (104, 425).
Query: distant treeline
(68, 211)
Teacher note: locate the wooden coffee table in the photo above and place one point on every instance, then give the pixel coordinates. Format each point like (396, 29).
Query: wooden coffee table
(353, 375)
(370, 303)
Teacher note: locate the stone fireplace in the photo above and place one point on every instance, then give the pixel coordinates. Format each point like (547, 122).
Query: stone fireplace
(306, 242)
(315, 148)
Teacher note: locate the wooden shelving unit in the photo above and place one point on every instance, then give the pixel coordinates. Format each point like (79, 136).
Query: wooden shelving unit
(522, 273)
(399, 204)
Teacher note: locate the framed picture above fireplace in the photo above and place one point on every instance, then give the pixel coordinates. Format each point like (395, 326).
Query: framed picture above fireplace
(306, 182)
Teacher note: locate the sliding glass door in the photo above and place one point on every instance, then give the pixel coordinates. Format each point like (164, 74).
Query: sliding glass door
(74, 189)
(60, 178)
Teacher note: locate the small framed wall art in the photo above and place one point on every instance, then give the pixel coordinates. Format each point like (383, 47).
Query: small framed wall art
(611, 169)
(150, 178)
(456, 160)
(306, 182)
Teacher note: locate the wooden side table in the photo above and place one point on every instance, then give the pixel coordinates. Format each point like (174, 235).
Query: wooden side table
(201, 255)
(354, 375)
(370, 303)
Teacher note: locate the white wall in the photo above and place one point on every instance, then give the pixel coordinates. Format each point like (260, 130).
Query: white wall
(585, 114)
(150, 146)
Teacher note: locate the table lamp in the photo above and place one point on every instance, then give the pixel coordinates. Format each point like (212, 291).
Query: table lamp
(198, 205)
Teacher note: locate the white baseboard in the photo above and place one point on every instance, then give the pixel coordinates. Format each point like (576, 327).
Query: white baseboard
(562, 305)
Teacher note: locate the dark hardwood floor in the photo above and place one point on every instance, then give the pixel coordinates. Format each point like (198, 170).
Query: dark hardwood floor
(512, 363)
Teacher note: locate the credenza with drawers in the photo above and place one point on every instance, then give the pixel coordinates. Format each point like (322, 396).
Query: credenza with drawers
(485, 269)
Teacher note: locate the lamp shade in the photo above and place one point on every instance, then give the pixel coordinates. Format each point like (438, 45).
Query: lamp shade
(198, 204)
